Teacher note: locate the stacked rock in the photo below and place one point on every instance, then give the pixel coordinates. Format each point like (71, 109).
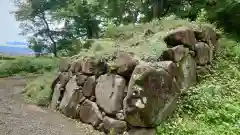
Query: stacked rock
(133, 94)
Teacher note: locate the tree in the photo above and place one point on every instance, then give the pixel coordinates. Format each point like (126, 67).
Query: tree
(37, 46)
(35, 18)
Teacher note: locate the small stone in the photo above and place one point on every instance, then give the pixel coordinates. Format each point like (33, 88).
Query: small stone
(116, 126)
(103, 114)
(120, 116)
(82, 100)
(93, 98)
(100, 127)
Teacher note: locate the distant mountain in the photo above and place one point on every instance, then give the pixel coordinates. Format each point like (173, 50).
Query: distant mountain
(10, 50)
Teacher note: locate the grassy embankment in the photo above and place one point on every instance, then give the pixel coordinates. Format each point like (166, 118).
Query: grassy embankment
(45, 67)
(210, 108)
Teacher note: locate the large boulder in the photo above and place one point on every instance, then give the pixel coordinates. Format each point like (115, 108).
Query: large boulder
(125, 64)
(174, 54)
(179, 52)
(149, 94)
(89, 86)
(81, 79)
(203, 53)
(169, 66)
(72, 97)
(110, 92)
(76, 66)
(63, 78)
(89, 113)
(187, 72)
(207, 34)
(88, 65)
(181, 35)
(93, 66)
(55, 97)
(114, 125)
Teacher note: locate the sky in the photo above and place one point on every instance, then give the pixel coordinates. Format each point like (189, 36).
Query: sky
(9, 27)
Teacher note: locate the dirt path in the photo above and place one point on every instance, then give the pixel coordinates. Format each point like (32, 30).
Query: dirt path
(18, 118)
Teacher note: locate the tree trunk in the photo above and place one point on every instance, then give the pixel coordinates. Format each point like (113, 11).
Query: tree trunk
(54, 44)
(157, 7)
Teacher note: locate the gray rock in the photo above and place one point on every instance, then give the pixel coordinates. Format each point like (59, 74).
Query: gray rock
(81, 79)
(125, 64)
(109, 93)
(169, 66)
(149, 94)
(89, 113)
(76, 66)
(89, 86)
(187, 72)
(174, 54)
(55, 97)
(71, 99)
(203, 53)
(116, 126)
(179, 52)
(181, 35)
(63, 78)
(207, 34)
(120, 116)
(93, 66)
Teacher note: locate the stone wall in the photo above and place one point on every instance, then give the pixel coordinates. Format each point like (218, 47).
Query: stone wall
(132, 95)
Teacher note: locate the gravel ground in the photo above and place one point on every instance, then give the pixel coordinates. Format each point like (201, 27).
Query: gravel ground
(19, 118)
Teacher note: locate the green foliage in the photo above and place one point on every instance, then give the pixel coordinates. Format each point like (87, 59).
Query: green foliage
(213, 106)
(39, 91)
(26, 65)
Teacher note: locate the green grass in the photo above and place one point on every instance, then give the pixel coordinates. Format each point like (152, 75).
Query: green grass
(27, 65)
(213, 106)
(131, 38)
(39, 91)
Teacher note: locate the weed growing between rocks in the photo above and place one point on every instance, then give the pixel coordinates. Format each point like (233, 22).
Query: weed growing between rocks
(213, 106)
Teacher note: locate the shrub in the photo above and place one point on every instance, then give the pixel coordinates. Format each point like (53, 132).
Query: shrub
(24, 65)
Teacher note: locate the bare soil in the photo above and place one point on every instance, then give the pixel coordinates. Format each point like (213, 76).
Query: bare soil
(20, 118)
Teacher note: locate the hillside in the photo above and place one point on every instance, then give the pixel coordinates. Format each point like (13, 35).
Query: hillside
(212, 105)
